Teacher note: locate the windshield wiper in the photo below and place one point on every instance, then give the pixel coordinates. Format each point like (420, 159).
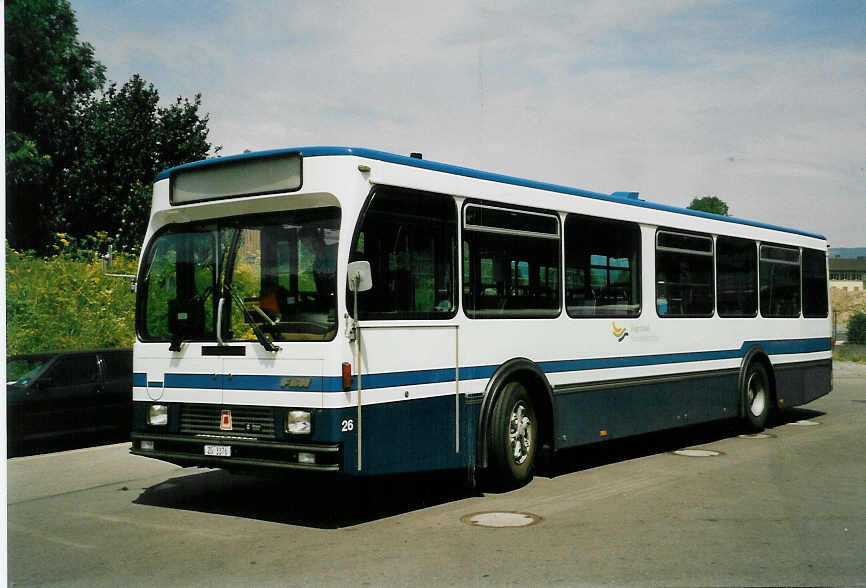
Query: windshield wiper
(266, 343)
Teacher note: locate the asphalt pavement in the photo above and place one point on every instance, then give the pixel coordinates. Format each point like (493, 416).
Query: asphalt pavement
(784, 508)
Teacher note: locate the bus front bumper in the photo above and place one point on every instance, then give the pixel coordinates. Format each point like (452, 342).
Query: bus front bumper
(237, 453)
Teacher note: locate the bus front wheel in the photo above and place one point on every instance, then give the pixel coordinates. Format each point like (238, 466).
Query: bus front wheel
(756, 397)
(513, 436)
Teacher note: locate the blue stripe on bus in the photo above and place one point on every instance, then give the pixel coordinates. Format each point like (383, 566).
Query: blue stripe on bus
(413, 378)
(443, 375)
(245, 382)
(199, 381)
(573, 365)
(319, 151)
(277, 383)
(784, 346)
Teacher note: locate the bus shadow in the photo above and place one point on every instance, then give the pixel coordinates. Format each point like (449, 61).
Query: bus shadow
(322, 502)
(608, 452)
(333, 502)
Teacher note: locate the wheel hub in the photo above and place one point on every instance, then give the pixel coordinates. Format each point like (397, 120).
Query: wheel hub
(520, 433)
(757, 395)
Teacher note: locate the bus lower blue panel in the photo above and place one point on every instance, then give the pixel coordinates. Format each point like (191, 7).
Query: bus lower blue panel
(801, 383)
(411, 435)
(611, 412)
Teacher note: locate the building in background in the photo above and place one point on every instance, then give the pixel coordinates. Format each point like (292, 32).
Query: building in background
(847, 291)
(848, 274)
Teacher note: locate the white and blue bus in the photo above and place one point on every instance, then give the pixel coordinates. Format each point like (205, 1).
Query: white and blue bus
(348, 310)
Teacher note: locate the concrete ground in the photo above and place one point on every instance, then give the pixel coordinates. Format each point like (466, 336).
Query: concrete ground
(783, 509)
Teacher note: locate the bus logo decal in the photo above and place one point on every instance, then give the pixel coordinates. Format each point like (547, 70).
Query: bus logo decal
(226, 420)
(619, 333)
(295, 382)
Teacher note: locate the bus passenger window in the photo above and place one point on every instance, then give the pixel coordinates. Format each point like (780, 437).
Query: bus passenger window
(814, 284)
(410, 240)
(736, 277)
(780, 281)
(684, 275)
(602, 267)
(511, 263)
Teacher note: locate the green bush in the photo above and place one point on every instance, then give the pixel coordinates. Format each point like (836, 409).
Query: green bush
(65, 302)
(857, 328)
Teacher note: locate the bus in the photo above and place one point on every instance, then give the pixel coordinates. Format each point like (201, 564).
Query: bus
(352, 311)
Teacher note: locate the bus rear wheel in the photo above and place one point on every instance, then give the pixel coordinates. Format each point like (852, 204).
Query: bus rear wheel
(756, 397)
(512, 438)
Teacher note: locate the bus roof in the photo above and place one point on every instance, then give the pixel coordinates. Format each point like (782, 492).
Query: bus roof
(628, 198)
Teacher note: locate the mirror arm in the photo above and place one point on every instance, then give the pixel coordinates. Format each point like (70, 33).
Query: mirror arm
(219, 335)
(106, 265)
(356, 326)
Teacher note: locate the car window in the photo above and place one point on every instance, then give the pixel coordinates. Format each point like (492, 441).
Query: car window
(74, 370)
(117, 365)
(21, 370)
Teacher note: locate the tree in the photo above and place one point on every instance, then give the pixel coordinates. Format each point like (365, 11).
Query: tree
(125, 139)
(80, 160)
(47, 71)
(712, 204)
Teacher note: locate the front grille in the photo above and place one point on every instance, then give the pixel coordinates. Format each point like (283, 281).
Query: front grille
(253, 422)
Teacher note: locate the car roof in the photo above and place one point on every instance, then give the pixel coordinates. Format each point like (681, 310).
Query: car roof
(51, 354)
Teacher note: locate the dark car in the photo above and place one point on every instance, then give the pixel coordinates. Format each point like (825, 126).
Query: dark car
(56, 400)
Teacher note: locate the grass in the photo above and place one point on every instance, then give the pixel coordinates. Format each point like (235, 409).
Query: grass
(65, 302)
(850, 352)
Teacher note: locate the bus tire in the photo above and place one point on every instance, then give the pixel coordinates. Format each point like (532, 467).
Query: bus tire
(512, 437)
(756, 397)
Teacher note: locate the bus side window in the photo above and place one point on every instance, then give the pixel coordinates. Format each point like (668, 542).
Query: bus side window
(814, 284)
(410, 240)
(602, 265)
(780, 281)
(736, 277)
(684, 274)
(513, 269)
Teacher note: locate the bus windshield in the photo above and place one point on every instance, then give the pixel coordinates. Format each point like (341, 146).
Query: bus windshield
(276, 274)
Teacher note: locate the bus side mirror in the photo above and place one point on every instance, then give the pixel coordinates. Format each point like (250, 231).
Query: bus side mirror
(359, 276)
(106, 265)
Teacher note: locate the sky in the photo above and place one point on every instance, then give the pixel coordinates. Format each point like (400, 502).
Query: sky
(762, 104)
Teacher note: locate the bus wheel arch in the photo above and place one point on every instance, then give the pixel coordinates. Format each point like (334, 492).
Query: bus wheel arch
(757, 389)
(506, 383)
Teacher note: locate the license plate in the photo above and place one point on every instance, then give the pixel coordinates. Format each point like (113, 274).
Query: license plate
(218, 450)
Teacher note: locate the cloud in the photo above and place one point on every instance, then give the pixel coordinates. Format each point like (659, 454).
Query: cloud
(761, 105)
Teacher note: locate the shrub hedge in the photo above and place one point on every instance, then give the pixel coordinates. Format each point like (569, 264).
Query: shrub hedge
(857, 328)
(64, 302)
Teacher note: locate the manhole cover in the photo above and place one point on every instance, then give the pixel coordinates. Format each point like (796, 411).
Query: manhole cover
(697, 452)
(756, 436)
(805, 423)
(501, 519)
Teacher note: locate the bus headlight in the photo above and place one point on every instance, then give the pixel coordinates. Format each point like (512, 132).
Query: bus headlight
(298, 422)
(157, 415)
